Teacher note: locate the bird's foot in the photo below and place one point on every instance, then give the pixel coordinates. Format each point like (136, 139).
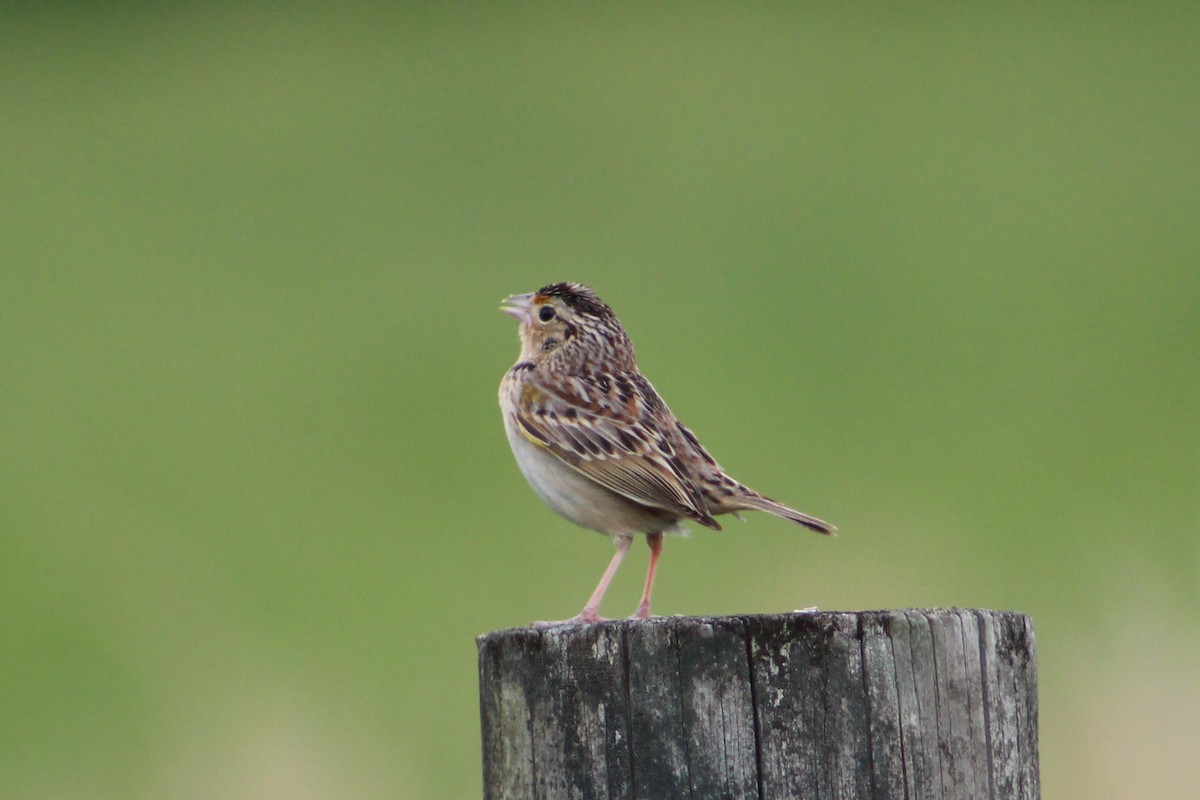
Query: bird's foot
(583, 617)
(643, 612)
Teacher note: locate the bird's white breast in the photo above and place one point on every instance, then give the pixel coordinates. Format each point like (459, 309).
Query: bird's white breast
(576, 497)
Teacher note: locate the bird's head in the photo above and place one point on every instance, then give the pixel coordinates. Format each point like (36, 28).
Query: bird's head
(567, 322)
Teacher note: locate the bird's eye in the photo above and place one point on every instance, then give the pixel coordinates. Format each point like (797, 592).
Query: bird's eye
(546, 313)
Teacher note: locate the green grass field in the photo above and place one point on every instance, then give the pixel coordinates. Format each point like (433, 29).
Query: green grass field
(931, 274)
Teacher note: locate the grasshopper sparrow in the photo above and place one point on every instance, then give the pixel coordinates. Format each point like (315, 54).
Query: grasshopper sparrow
(597, 443)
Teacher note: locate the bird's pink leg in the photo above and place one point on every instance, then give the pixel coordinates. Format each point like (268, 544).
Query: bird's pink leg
(591, 611)
(655, 540)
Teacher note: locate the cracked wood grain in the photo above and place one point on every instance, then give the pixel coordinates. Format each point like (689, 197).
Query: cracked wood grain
(879, 704)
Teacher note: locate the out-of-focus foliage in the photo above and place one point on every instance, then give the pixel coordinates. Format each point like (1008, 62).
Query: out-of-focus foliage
(929, 273)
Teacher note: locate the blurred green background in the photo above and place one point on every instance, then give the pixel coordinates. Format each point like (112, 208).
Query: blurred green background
(929, 273)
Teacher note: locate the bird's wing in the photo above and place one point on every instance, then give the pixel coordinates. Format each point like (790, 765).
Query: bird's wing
(616, 431)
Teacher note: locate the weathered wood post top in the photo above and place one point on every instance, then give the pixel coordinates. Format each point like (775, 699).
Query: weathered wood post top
(875, 704)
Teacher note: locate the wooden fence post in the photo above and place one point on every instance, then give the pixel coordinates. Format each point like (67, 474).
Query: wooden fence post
(877, 704)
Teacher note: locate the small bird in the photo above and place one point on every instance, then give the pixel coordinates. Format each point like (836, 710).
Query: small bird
(597, 443)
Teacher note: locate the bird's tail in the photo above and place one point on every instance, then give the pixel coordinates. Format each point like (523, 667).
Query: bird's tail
(760, 503)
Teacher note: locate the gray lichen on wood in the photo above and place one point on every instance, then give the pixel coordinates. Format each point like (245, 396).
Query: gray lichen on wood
(882, 704)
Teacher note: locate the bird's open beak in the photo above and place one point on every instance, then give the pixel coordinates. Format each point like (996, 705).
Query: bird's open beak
(519, 306)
